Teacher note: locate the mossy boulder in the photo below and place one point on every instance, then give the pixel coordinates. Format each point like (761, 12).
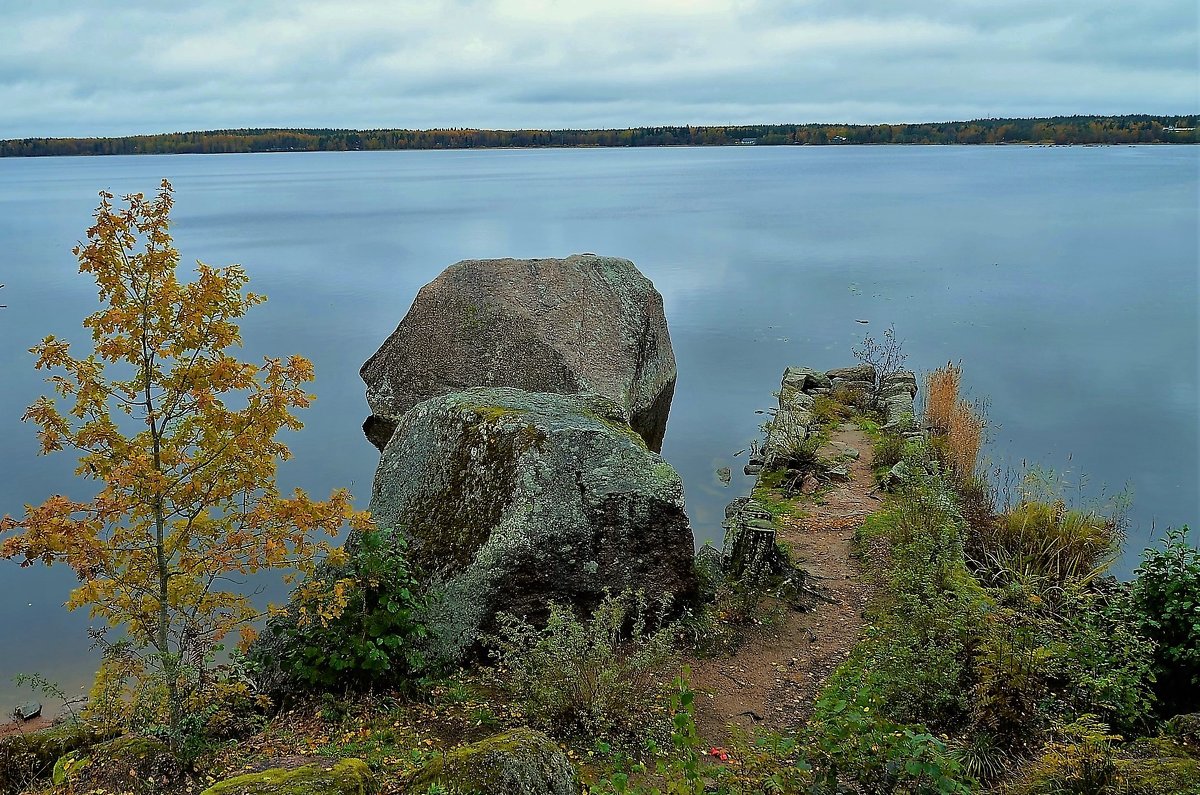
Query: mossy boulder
(584, 324)
(511, 499)
(26, 758)
(517, 762)
(1186, 728)
(126, 764)
(347, 777)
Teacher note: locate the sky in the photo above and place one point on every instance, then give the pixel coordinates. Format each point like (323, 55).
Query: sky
(87, 68)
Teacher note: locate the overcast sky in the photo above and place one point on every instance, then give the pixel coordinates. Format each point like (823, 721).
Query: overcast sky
(89, 67)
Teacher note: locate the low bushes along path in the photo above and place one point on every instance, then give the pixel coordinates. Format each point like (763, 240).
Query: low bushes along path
(774, 677)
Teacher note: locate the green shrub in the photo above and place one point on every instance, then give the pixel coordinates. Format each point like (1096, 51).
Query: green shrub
(830, 409)
(373, 639)
(1100, 663)
(889, 451)
(599, 677)
(851, 737)
(1165, 600)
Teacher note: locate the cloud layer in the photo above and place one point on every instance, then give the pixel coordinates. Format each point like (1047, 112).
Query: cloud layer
(74, 68)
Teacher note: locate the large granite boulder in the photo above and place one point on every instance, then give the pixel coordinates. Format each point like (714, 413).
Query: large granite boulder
(565, 326)
(509, 499)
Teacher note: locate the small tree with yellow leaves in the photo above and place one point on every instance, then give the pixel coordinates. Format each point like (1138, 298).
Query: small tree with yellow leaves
(180, 435)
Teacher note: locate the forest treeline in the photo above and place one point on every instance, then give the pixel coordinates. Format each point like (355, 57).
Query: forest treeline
(1055, 130)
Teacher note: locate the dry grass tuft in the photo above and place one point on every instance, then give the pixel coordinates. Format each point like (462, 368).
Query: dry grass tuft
(941, 396)
(964, 438)
(958, 422)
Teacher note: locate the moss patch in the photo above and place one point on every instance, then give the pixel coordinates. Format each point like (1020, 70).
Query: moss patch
(347, 777)
(25, 758)
(517, 762)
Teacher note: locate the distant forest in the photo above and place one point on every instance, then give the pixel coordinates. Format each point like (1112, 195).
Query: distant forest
(1054, 130)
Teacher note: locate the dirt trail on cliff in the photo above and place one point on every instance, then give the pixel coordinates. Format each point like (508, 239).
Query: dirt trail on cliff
(774, 677)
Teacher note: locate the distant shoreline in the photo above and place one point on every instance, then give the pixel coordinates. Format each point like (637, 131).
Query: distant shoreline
(1048, 131)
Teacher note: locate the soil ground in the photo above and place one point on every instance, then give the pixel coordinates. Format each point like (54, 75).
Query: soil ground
(774, 676)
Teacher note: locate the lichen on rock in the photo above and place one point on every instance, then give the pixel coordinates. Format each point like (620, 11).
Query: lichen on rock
(510, 499)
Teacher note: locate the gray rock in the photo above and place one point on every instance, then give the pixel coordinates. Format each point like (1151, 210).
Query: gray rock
(866, 387)
(899, 413)
(790, 399)
(902, 377)
(897, 389)
(736, 506)
(809, 485)
(584, 324)
(516, 762)
(899, 474)
(846, 451)
(511, 499)
(725, 475)
(752, 469)
(859, 372)
(804, 378)
(839, 472)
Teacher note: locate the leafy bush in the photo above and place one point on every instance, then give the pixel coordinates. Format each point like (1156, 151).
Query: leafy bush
(602, 676)
(913, 664)
(1100, 663)
(848, 737)
(365, 632)
(1165, 600)
(1087, 758)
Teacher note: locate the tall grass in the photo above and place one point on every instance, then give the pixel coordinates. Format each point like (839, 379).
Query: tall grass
(957, 422)
(964, 438)
(941, 396)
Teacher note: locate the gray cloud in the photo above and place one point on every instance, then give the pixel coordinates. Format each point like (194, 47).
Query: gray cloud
(80, 68)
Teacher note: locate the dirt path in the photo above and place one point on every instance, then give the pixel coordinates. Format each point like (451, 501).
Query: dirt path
(774, 677)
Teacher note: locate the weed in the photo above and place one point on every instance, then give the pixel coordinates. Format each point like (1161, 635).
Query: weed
(599, 677)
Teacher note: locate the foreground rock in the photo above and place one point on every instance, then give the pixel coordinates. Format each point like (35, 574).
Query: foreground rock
(27, 758)
(346, 777)
(581, 324)
(511, 499)
(517, 762)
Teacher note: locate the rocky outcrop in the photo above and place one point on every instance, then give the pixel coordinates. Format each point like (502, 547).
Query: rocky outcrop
(584, 324)
(511, 499)
(896, 395)
(345, 777)
(517, 762)
(859, 372)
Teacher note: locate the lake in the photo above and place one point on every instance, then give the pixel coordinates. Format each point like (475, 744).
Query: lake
(1063, 279)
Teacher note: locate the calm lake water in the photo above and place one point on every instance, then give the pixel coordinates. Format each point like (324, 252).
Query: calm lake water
(1063, 279)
